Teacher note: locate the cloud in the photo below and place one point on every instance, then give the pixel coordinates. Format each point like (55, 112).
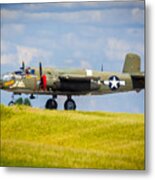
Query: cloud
(85, 64)
(8, 54)
(10, 14)
(14, 53)
(19, 28)
(8, 59)
(6, 46)
(26, 53)
(31, 54)
(13, 29)
(117, 13)
(135, 32)
(82, 45)
(117, 48)
(72, 17)
(138, 14)
(69, 61)
(69, 17)
(77, 54)
(49, 6)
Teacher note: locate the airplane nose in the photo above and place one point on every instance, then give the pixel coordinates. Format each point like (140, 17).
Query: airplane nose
(1, 83)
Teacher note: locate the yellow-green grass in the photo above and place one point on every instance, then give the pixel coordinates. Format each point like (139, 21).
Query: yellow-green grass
(34, 137)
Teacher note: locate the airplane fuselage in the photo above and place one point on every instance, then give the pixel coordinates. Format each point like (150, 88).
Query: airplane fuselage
(70, 82)
(49, 81)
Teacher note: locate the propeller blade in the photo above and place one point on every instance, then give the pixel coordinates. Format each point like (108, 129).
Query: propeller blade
(40, 70)
(43, 80)
(102, 68)
(23, 65)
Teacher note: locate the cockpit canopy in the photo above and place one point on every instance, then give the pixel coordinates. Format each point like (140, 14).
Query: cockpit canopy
(18, 72)
(26, 71)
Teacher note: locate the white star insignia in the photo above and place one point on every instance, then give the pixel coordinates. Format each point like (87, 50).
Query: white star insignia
(114, 82)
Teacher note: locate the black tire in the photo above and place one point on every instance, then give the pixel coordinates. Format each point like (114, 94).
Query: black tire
(51, 104)
(69, 104)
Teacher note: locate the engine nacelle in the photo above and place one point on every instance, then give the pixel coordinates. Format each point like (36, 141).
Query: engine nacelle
(94, 85)
(52, 82)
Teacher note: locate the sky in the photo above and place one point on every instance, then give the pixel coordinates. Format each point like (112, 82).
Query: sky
(75, 35)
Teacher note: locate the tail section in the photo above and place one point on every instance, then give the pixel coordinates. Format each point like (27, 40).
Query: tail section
(132, 63)
(138, 81)
(132, 66)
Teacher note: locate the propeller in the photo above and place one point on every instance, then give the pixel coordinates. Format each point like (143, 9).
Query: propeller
(23, 66)
(102, 68)
(40, 70)
(43, 81)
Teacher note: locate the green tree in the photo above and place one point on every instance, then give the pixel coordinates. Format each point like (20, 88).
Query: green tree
(19, 101)
(27, 102)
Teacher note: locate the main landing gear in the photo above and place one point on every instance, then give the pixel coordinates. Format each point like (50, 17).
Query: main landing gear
(51, 103)
(68, 105)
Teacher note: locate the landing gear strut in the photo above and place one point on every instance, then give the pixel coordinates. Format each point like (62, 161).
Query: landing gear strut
(51, 103)
(11, 103)
(32, 96)
(69, 104)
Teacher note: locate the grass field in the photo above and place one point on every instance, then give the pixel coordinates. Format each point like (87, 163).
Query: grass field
(71, 139)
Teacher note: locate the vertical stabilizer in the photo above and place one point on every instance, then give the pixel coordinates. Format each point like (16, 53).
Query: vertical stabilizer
(132, 63)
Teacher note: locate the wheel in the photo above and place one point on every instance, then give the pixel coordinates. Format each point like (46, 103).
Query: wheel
(69, 104)
(11, 103)
(51, 104)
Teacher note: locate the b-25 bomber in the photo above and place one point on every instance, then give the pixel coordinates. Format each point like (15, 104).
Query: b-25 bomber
(55, 82)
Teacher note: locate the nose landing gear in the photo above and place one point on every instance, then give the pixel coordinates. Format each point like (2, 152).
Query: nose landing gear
(32, 96)
(11, 103)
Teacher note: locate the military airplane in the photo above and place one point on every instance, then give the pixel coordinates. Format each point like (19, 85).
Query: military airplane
(54, 82)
